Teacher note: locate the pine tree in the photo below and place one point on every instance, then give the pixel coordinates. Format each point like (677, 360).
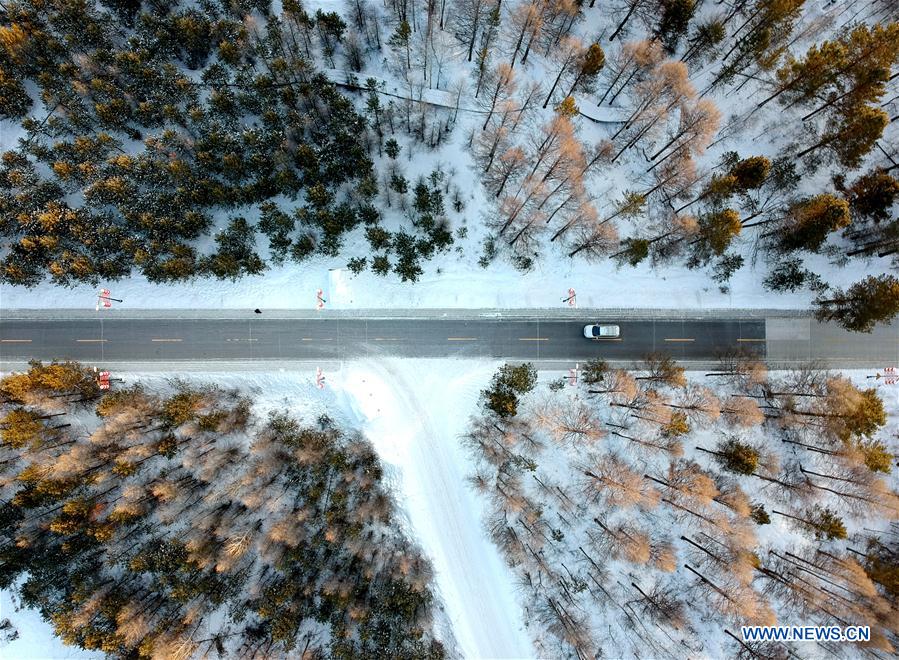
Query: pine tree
(790, 275)
(277, 226)
(848, 72)
(234, 256)
(809, 222)
(674, 22)
(22, 428)
(759, 515)
(882, 565)
(717, 231)
(872, 300)
(634, 251)
(331, 28)
(750, 173)
(588, 69)
(676, 426)
(401, 41)
(872, 195)
(357, 264)
(508, 384)
(380, 265)
(850, 413)
(766, 36)
(706, 36)
(877, 457)
(594, 371)
(143, 536)
(14, 100)
(800, 79)
(736, 456)
(824, 522)
(567, 108)
(392, 148)
(854, 136)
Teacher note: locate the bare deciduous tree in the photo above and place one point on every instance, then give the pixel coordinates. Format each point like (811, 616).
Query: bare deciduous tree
(499, 88)
(663, 370)
(611, 480)
(699, 403)
(742, 411)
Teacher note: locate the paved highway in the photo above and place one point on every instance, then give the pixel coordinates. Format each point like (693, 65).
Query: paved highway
(258, 338)
(192, 338)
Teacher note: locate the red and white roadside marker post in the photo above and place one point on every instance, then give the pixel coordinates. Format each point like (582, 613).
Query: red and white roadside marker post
(104, 301)
(319, 299)
(571, 299)
(573, 374)
(103, 379)
(319, 378)
(888, 374)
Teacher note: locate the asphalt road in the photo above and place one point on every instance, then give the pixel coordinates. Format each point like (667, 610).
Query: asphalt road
(175, 339)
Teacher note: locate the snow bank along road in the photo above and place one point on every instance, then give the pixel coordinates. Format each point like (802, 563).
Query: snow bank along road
(170, 338)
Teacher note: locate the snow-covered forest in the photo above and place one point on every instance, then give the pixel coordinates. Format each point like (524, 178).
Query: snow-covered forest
(744, 149)
(423, 154)
(644, 510)
(654, 512)
(173, 522)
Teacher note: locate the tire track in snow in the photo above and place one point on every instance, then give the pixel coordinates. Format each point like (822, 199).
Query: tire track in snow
(472, 578)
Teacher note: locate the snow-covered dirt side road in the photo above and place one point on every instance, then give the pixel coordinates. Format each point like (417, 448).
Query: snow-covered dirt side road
(413, 411)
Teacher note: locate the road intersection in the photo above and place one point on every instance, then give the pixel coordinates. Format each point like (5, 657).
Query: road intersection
(170, 336)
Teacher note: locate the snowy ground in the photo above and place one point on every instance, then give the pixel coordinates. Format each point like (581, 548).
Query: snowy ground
(35, 639)
(460, 284)
(413, 412)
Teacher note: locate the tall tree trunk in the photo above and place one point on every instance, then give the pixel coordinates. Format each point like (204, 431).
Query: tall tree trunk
(627, 17)
(711, 584)
(553, 88)
(474, 30)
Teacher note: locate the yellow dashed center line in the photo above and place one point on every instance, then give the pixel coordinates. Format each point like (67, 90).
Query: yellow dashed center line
(679, 339)
(15, 341)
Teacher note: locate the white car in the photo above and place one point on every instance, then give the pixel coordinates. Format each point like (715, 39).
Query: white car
(601, 331)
